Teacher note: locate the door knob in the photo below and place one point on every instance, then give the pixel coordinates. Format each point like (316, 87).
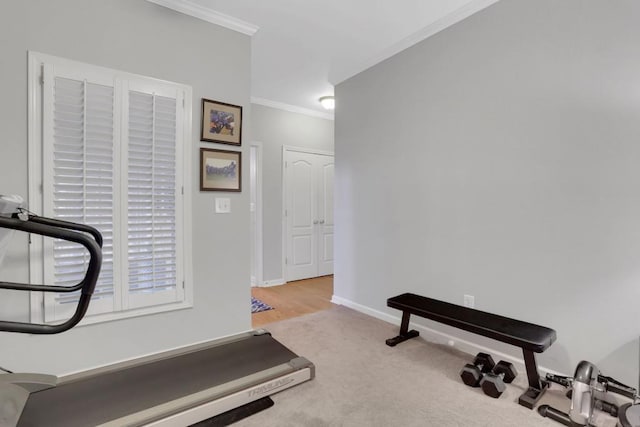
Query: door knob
(315, 222)
(322, 222)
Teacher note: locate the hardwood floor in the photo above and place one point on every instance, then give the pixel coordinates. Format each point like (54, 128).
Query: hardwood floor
(293, 299)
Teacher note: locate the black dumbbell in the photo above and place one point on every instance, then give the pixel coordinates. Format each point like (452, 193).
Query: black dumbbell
(493, 383)
(472, 374)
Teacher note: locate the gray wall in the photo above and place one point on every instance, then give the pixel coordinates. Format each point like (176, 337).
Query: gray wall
(499, 158)
(143, 38)
(276, 128)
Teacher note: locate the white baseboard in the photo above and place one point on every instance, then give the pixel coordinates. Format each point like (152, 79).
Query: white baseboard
(364, 309)
(439, 337)
(274, 282)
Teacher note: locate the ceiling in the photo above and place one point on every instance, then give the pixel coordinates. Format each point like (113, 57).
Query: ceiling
(302, 48)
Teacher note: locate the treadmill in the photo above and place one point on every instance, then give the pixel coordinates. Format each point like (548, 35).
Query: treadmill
(178, 388)
(208, 384)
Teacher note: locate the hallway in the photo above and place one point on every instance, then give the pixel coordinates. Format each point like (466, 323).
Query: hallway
(293, 299)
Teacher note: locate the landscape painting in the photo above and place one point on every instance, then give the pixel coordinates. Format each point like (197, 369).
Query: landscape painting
(220, 170)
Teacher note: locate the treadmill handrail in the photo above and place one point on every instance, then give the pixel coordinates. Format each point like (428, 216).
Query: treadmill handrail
(61, 230)
(67, 225)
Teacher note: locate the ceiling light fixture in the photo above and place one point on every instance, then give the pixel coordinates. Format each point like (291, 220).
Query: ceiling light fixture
(328, 102)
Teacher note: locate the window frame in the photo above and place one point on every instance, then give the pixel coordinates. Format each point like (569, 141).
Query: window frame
(37, 68)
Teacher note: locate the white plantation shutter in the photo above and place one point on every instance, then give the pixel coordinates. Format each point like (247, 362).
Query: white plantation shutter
(113, 157)
(82, 187)
(152, 188)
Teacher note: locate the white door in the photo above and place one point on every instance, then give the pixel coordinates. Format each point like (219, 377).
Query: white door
(301, 216)
(325, 215)
(309, 214)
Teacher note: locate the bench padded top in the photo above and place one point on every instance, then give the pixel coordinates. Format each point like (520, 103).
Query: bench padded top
(515, 332)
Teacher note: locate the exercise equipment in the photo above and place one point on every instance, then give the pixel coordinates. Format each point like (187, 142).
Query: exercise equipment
(528, 336)
(84, 235)
(15, 389)
(176, 388)
(586, 381)
(629, 415)
(471, 374)
(213, 383)
(493, 383)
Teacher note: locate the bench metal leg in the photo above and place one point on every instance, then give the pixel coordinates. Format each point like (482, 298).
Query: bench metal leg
(405, 333)
(537, 386)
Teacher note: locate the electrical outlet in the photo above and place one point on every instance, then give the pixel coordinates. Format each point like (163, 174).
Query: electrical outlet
(469, 301)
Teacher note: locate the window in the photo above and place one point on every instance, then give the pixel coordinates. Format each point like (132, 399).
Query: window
(110, 149)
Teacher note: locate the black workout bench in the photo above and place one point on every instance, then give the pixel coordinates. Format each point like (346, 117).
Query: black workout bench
(531, 338)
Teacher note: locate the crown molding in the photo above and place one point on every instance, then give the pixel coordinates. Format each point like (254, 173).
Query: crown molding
(192, 9)
(426, 32)
(291, 108)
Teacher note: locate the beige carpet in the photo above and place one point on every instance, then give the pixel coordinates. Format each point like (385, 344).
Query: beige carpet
(360, 381)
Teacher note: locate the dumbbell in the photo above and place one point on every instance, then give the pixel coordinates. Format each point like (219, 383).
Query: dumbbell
(471, 374)
(493, 383)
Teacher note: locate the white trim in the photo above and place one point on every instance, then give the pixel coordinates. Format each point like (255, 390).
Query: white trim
(134, 312)
(283, 222)
(438, 337)
(34, 149)
(258, 248)
(291, 108)
(452, 18)
(71, 66)
(206, 14)
(307, 150)
(274, 282)
(187, 194)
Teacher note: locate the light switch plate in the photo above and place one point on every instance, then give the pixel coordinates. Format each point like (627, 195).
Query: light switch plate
(223, 205)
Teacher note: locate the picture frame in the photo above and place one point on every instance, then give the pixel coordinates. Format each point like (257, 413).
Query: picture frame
(220, 170)
(221, 122)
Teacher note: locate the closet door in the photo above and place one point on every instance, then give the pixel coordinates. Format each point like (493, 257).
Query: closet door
(301, 219)
(308, 215)
(325, 167)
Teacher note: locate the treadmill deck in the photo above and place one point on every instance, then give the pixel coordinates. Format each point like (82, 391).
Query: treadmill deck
(103, 397)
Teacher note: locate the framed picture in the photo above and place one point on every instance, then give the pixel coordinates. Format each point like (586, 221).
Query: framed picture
(221, 122)
(220, 170)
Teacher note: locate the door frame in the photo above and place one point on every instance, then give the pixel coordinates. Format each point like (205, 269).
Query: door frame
(258, 247)
(285, 150)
